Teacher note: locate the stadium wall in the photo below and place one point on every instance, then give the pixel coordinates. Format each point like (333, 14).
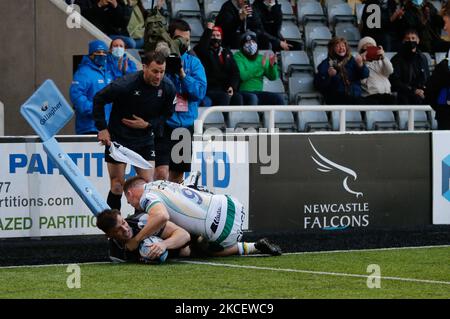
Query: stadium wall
(318, 183)
(39, 45)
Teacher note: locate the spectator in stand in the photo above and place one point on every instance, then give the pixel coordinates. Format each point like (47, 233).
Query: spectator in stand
(252, 68)
(437, 92)
(136, 24)
(91, 77)
(269, 11)
(376, 89)
(424, 18)
(235, 18)
(221, 69)
(118, 62)
(386, 35)
(188, 76)
(339, 75)
(112, 17)
(139, 15)
(411, 71)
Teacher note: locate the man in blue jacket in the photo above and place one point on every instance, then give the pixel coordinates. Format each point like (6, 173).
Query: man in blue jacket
(91, 77)
(190, 82)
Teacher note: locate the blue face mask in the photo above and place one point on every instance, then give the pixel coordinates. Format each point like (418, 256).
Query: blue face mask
(118, 52)
(100, 60)
(417, 2)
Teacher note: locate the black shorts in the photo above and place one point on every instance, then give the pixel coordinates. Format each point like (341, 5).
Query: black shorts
(163, 148)
(147, 152)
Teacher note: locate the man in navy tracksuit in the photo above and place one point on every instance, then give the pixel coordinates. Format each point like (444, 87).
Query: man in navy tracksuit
(142, 103)
(91, 77)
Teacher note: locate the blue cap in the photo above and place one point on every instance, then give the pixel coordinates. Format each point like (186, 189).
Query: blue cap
(97, 45)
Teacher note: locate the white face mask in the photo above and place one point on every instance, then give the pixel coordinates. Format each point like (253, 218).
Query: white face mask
(118, 52)
(269, 4)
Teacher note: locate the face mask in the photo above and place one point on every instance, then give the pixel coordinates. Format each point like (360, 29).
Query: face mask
(417, 3)
(409, 45)
(118, 52)
(269, 4)
(100, 60)
(250, 48)
(215, 43)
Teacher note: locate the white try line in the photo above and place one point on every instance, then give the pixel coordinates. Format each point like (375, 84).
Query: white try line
(311, 272)
(256, 255)
(365, 250)
(57, 265)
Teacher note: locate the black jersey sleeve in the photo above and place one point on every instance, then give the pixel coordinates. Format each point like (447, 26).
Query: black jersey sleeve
(103, 97)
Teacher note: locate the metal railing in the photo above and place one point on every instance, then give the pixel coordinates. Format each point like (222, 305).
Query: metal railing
(198, 126)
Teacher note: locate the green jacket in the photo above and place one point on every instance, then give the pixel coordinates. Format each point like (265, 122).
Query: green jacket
(252, 72)
(136, 26)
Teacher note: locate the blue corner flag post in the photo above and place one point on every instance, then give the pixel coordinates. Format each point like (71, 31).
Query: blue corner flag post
(47, 111)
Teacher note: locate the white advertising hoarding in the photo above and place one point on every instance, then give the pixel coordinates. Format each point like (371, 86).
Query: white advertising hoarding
(225, 169)
(36, 200)
(441, 177)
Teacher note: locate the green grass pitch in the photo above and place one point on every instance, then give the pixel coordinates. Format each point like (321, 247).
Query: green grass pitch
(405, 273)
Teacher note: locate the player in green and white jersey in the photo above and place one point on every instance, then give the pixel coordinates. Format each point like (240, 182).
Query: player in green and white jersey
(218, 219)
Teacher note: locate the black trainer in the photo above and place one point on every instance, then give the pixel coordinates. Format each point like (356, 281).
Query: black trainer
(266, 247)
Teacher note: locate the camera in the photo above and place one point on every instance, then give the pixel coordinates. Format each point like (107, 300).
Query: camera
(173, 64)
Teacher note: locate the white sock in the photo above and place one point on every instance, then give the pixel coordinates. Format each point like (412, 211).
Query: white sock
(247, 248)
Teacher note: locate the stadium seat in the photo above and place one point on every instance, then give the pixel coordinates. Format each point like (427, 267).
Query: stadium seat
(293, 61)
(437, 5)
(237, 119)
(136, 54)
(196, 28)
(309, 99)
(359, 12)
(430, 61)
(349, 32)
(440, 56)
(390, 55)
(185, 8)
(421, 121)
(317, 34)
(338, 12)
(300, 83)
(287, 11)
(290, 31)
(212, 8)
(273, 86)
(284, 121)
(310, 11)
(319, 54)
(353, 120)
(310, 121)
(215, 119)
(380, 120)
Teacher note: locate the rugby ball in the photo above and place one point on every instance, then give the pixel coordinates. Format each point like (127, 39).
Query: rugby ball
(144, 250)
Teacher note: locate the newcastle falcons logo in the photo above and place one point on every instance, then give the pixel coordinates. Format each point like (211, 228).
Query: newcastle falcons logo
(325, 166)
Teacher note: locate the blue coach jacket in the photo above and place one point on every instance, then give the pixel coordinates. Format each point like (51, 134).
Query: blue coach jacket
(193, 86)
(87, 81)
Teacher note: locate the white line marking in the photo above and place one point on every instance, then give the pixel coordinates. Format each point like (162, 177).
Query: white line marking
(256, 255)
(314, 272)
(365, 250)
(56, 265)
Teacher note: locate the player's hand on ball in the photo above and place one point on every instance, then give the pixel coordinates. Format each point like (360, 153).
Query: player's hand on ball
(156, 250)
